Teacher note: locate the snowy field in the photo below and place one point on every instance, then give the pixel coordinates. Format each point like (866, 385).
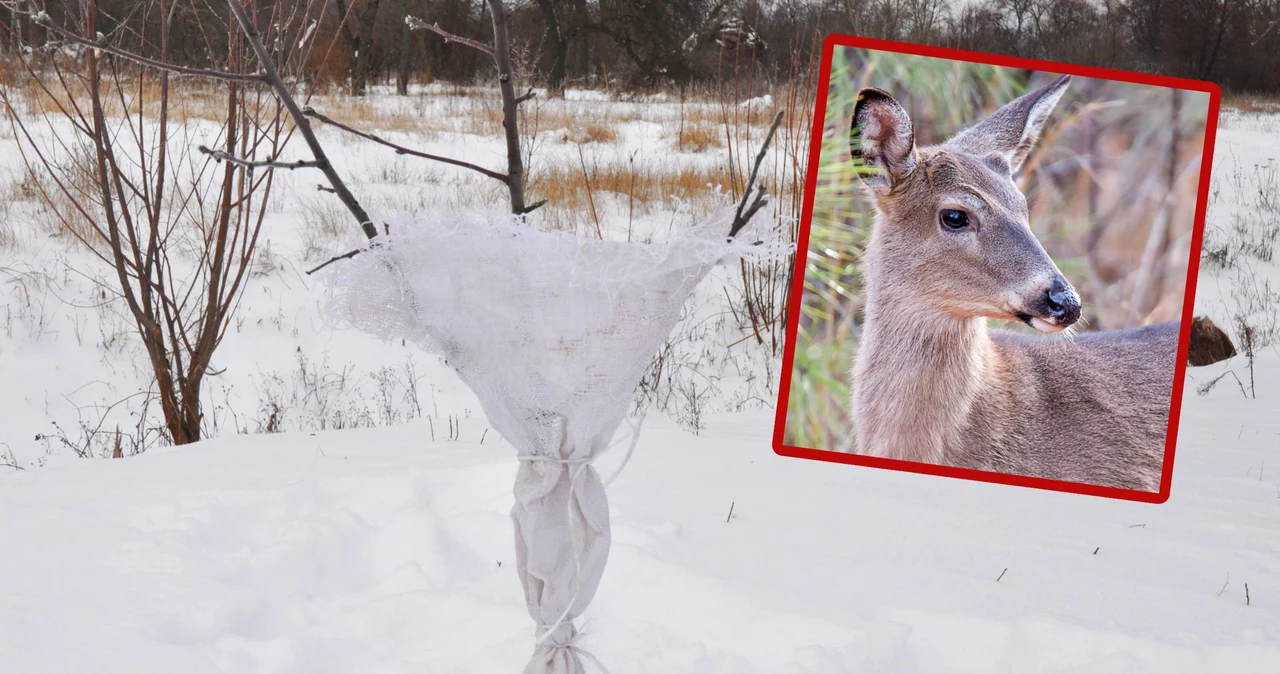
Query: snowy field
(386, 546)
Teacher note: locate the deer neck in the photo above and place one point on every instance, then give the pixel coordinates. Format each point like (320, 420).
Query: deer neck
(917, 375)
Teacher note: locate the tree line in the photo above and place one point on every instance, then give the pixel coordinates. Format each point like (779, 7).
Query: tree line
(635, 45)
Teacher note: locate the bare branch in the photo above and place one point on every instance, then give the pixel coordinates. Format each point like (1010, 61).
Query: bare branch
(400, 149)
(43, 20)
(1265, 32)
(221, 156)
(415, 23)
(300, 120)
(742, 217)
(526, 96)
(344, 256)
(532, 207)
(745, 215)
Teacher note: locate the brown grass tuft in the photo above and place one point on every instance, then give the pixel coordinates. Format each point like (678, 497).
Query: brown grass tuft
(699, 137)
(592, 131)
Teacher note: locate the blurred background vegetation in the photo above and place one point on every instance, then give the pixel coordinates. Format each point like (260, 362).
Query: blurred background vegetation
(1111, 187)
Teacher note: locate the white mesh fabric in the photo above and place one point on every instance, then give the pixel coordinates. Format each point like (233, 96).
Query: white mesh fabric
(552, 332)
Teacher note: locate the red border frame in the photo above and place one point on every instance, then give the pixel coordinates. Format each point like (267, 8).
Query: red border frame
(797, 289)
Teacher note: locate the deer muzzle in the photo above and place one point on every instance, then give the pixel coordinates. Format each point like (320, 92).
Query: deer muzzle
(1056, 309)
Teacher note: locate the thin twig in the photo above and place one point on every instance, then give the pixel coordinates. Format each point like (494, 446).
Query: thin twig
(590, 199)
(400, 149)
(742, 217)
(345, 256)
(221, 156)
(418, 24)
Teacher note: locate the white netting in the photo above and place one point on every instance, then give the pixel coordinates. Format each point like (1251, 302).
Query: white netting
(552, 332)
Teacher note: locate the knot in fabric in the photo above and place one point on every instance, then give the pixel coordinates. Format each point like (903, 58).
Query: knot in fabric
(552, 634)
(544, 458)
(564, 637)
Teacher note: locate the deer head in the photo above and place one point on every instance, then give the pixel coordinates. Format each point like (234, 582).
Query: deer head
(952, 230)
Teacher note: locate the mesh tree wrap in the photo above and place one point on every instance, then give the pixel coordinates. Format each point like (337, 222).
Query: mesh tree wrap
(552, 332)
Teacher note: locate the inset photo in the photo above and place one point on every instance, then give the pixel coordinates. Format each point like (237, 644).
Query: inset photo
(998, 269)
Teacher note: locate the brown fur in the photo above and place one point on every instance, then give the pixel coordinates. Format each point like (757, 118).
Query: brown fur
(931, 383)
(1209, 344)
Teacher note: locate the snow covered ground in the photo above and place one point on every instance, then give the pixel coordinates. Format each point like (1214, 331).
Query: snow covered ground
(389, 549)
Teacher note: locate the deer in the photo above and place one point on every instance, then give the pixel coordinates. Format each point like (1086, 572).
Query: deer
(951, 247)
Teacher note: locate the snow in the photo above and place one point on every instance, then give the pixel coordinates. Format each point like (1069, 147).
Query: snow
(765, 101)
(389, 549)
(376, 550)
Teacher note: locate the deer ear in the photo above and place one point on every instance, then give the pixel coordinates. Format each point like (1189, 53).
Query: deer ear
(882, 137)
(1013, 130)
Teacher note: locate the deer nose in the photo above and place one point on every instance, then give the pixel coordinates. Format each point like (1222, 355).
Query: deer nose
(1063, 302)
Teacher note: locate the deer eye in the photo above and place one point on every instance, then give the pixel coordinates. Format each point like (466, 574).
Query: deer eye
(952, 218)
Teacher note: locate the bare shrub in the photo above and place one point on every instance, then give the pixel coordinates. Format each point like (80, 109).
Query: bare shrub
(93, 436)
(316, 396)
(115, 165)
(1255, 317)
(1217, 251)
(1256, 233)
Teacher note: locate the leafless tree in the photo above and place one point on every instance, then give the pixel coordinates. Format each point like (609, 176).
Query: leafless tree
(356, 20)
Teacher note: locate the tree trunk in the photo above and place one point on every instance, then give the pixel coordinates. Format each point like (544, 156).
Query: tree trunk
(357, 29)
(510, 117)
(368, 21)
(359, 83)
(557, 45)
(15, 29)
(406, 60)
(1212, 58)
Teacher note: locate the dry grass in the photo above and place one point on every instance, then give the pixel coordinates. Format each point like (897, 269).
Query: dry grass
(566, 187)
(56, 214)
(699, 137)
(325, 221)
(189, 99)
(1251, 103)
(709, 112)
(592, 131)
(8, 195)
